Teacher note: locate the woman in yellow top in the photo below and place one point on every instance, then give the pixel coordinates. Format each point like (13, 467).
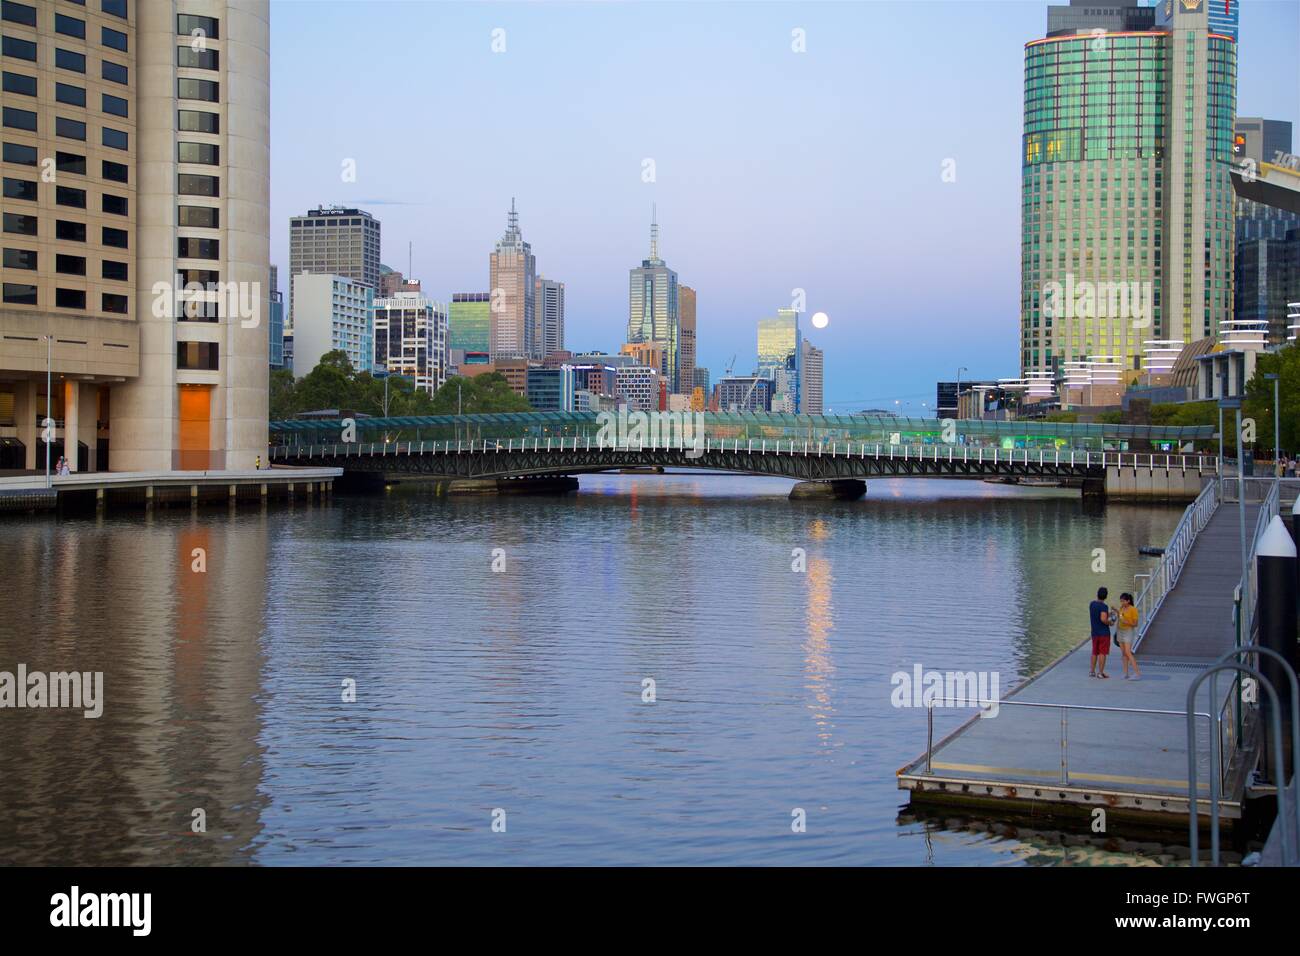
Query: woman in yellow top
(1127, 630)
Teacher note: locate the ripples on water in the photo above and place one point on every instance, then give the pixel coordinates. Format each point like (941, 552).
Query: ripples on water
(523, 690)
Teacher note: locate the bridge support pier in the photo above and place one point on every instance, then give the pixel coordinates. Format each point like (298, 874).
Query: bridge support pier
(1094, 488)
(839, 489)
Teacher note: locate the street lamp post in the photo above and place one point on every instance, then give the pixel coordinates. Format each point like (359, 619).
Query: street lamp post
(959, 371)
(48, 424)
(1277, 427)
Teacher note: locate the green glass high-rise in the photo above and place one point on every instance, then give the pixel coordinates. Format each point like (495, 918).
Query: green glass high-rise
(469, 322)
(1126, 199)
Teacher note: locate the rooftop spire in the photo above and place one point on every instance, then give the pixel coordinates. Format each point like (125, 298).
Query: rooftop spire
(654, 232)
(513, 221)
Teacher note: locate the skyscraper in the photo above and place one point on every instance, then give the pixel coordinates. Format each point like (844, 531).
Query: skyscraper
(686, 307)
(779, 357)
(512, 272)
(810, 381)
(154, 302)
(275, 322)
(1127, 202)
(335, 240)
(411, 338)
(653, 308)
(1267, 266)
(469, 323)
(334, 314)
(549, 304)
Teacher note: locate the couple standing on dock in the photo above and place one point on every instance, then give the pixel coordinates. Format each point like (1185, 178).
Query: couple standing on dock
(1125, 620)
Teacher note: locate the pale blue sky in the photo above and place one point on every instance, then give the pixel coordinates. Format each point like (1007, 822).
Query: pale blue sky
(774, 170)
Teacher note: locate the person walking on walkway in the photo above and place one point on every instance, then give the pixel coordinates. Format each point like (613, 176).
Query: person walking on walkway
(1127, 631)
(1099, 613)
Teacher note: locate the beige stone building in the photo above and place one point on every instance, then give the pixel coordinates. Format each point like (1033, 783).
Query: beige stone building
(136, 233)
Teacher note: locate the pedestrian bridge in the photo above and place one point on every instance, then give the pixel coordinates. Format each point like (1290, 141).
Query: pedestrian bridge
(1142, 460)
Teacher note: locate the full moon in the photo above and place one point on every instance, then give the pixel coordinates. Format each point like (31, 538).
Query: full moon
(821, 320)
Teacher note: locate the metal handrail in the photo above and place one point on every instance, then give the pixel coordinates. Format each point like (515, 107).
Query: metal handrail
(1166, 573)
(1249, 585)
(1064, 709)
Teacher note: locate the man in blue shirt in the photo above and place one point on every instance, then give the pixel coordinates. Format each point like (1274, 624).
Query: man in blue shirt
(1099, 613)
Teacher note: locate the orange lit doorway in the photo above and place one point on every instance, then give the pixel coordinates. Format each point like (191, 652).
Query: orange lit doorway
(195, 420)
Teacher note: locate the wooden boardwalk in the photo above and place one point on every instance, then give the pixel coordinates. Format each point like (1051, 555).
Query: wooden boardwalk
(1064, 740)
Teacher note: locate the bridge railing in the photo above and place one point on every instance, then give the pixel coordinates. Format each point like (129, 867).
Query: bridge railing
(1165, 576)
(1056, 458)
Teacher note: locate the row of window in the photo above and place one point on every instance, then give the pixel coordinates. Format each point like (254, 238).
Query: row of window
(64, 127)
(22, 293)
(25, 225)
(20, 154)
(64, 264)
(68, 26)
(67, 93)
(26, 190)
(21, 49)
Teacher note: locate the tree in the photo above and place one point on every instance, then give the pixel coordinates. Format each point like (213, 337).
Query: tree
(283, 401)
(1284, 363)
(331, 384)
(489, 392)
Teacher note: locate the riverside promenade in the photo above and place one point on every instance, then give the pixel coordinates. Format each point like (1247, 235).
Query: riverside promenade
(1063, 741)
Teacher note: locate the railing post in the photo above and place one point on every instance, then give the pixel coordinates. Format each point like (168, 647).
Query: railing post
(929, 736)
(1065, 761)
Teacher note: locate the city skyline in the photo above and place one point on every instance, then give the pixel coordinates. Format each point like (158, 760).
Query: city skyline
(798, 201)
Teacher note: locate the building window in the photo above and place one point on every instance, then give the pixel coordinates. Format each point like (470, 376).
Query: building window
(117, 172)
(19, 83)
(20, 259)
(70, 27)
(18, 49)
(200, 310)
(197, 355)
(20, 224)
(117, 238)
(114, 138)
(115, 72)
(20, 189)
(72, 95)
(187, 89)
(203, 217)
(67, 196)
(70, 231)
(115, 205)
(199, 277)
(114, 270)
(70, 163)
(198, 153)
(197, 121)
(15, 118)
(190, 184)
(18, 293)
(197, 59)
(68, 60)
(19, 154)
(113, 302)
(69, 128)
(113, 39)
(70, 298)
(188, 23)
(18, 13)
(191, 248)
(115, 8)
(113, 104)
(70, 265)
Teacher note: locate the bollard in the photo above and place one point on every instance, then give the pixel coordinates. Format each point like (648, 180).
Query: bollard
(1275, 562)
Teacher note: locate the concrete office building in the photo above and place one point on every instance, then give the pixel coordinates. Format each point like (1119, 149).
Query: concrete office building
(745, 393)
(337, 241)
(410, 333)
(549, 307)
(334, 314)
(551, 389)
(392, 282)
(512, 271)
(811, 379)
(1267, 267)
(686, 309)
(638, 386)
(160, 152)
(654, 309)
(1126, 199)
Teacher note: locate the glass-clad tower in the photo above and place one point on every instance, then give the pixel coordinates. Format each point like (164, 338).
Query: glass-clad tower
(653, 312)
(779, 356)
(1126, 197)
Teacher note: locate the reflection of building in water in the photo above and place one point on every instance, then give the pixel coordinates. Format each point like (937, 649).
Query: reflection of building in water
(181, 658)
(818, 667)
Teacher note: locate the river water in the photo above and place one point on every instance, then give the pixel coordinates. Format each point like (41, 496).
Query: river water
(504, 716)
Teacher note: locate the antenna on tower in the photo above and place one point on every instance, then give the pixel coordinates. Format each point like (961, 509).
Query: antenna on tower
(514, 216)
(654, 230)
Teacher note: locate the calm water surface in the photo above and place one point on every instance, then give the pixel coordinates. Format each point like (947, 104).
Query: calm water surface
(522, 690)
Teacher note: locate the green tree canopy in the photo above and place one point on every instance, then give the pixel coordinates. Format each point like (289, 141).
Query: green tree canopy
(489, 392)
(1284, 363)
